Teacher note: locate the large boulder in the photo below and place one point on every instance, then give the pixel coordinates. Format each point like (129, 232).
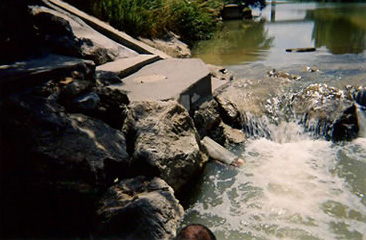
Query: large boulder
(63, 33)
(104, 103)
(140, 208)
(163, 141)
(53, 167)
(207, 117)
(326, 112)
(209, 123)
(66, 146)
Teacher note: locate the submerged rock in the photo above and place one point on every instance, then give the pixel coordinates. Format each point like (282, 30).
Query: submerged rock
(163, 141)
(140, 208)
(282, 74)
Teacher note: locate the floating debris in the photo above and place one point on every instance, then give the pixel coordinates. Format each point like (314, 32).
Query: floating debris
(312, 69)
(282, 74)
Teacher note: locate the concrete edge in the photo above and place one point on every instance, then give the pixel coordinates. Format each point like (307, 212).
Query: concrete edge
(109, 31)
(129, 65)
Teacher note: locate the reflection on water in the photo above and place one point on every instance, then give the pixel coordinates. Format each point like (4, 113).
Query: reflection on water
(339, 28)
(232, 45)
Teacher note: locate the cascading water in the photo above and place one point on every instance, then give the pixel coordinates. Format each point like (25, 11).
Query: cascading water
(293, 186)
(360, 99)
(361, 115)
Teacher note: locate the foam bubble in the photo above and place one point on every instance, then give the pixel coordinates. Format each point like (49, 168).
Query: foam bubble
(294, 188)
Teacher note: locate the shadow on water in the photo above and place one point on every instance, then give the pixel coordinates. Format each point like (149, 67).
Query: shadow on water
(341, 30)
(237, 42)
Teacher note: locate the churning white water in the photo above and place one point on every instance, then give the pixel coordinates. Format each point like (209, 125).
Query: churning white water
(361, 115)
(293, 187)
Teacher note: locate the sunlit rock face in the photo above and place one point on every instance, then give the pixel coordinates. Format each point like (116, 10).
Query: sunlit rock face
(163, 141)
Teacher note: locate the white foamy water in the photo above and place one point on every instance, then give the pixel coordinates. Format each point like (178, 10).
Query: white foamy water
(291, 188)
(361, 115)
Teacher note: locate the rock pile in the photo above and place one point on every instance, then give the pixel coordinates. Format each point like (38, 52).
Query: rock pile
(78, 160)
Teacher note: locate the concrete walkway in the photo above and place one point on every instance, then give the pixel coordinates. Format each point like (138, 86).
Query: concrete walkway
(152, 75)
(107, 29)
(127, 66)
(186, 80)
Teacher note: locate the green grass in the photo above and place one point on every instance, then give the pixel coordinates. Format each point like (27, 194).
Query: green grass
(192, 20)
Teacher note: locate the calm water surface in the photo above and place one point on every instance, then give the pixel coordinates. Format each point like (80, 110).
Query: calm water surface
(293, 186)
(331, 28)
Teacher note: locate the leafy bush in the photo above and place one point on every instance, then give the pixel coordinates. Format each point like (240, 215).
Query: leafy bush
(193, 20)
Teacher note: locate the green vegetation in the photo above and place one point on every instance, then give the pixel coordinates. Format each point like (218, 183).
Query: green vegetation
(192, 20)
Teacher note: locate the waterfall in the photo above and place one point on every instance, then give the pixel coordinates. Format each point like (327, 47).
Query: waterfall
(294, 184)
(359, 96)
(361, 118)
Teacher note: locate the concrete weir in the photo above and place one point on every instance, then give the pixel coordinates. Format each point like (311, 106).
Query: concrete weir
(186, 80)
(126, 66)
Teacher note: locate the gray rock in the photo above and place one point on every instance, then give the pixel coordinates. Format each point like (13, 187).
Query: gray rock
(171, 46)
(71, 88)
(106, 78)
(35, 72)
(207, 117)
(233, 137)
(326, 111)
(54, 165)
(112, 106)
(102, 102)
(359, 95)
(220, 72)
(66, 146)
(229, 112)
(87, 101)
(69, 35)
(208, 123)
(163, 141)
(140, 208)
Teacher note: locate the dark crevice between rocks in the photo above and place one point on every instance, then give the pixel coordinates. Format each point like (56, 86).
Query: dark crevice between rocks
(185, 193)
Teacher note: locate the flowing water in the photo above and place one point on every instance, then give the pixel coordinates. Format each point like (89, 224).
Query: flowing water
(293, 186)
